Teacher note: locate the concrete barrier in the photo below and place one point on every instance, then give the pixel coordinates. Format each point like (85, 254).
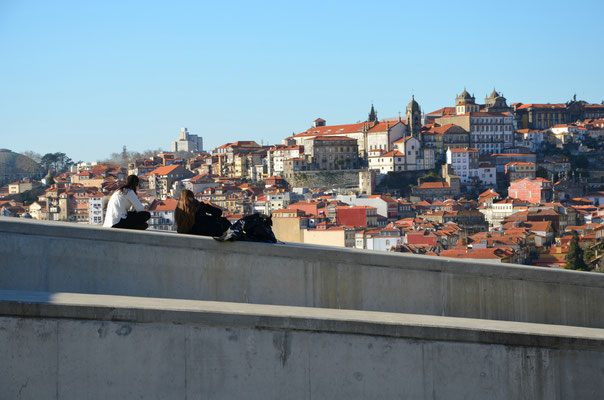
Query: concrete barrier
(78, 346)
(63, 257)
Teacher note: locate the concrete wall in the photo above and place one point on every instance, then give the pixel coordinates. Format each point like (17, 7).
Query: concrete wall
(65, 346)
(63, 257)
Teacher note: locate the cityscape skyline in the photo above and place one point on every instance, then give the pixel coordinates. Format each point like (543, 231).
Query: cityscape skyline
(88, 79)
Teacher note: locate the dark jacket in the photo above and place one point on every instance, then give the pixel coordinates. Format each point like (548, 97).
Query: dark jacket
(209, 221)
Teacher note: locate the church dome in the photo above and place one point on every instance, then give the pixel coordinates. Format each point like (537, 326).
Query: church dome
(465, 95)
(413, 105)
(464, 98)
(494, 94)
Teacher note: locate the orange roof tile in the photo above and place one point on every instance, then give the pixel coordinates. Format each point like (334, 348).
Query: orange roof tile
(333, 130)
(433, 185)
(164, 205)
(163, 170)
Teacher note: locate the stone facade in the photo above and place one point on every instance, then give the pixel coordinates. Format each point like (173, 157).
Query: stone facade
(544, 116)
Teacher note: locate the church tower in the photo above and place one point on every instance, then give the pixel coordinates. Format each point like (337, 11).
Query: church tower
(372, 116)
(414, 119)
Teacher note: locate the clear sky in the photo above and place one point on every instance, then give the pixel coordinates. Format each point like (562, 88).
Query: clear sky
(87, 77)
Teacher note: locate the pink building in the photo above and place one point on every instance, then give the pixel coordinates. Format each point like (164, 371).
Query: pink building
(534, 191)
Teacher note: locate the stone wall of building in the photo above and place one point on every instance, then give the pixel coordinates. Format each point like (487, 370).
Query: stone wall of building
(329, 179)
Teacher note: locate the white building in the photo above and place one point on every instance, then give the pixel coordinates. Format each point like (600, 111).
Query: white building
(407, 155)
(95, 208)
(466, 165)
(497, 212)
(162, 215)
(387, 162)
(276, 201)
(276, 155)
(531, 138)
(382, 240)
(187, 142)
(385, 205)
(462, 161)
(198, 183)
(417, 158)
(491, 132)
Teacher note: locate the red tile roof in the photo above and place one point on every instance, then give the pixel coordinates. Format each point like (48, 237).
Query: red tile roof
(443, 111)
(163, 205)
(434, 185)
(383, 126)
(333, 138)
(394, 153)
(548, 105)
(333, 130)
(163, 170)
(403, 139)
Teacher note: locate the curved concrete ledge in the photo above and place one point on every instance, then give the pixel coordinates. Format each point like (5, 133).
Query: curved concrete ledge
(302, 252)
(63, 257)
(324, 320)
(58, 345)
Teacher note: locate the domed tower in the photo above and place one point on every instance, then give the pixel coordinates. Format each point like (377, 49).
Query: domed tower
(495, 102)
(465, 103)
(414, 119)
(490, 100)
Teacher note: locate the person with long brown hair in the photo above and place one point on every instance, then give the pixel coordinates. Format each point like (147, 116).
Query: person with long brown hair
(198, 218)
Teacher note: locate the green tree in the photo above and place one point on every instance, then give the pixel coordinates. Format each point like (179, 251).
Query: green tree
(48, 161)
(574, 257)
(57, 162)
(432, 176)
(62, 162)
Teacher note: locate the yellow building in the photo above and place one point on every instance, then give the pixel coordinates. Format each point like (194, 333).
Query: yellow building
(337, 236)
(289, 225)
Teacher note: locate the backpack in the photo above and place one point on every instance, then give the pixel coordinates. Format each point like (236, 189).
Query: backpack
(252, 228)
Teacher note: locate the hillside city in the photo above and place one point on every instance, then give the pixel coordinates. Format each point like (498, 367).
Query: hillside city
(519, 183)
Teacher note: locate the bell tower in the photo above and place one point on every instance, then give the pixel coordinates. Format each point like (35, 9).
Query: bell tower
(414, 119)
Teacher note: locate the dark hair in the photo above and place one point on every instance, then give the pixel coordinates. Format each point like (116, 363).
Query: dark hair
(131, 183)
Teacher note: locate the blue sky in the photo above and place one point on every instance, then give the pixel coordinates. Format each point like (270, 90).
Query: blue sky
(86, 78)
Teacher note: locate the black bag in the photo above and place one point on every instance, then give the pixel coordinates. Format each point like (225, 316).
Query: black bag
(253, 228)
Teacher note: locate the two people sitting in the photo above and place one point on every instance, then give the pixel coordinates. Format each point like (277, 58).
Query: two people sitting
(125, 211)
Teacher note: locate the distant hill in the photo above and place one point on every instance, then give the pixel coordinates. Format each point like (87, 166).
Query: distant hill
(15, 166)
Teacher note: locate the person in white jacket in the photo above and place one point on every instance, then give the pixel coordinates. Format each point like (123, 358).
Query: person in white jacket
(124, 209)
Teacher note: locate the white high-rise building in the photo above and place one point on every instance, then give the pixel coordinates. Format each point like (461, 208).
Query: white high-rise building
(187, 142)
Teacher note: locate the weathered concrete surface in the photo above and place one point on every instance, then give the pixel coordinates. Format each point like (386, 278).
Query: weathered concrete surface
(62, 257)
(65, 346)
